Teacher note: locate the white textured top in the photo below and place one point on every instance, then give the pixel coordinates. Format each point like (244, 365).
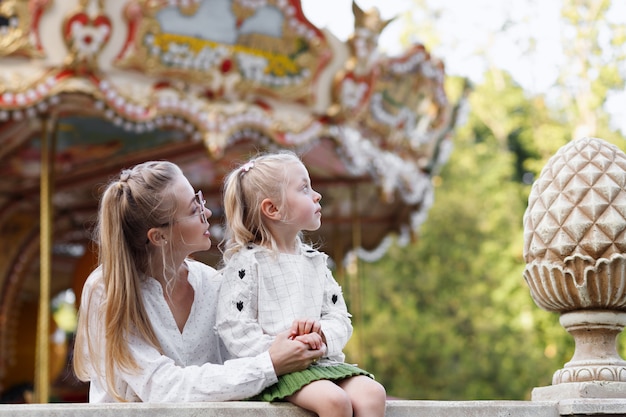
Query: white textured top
(262, 294)
(190, 368)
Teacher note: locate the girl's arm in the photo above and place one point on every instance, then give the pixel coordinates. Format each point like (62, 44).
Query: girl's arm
(237, 311)
(336, 327)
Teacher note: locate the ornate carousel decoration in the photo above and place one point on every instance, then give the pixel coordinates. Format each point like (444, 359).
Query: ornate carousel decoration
(17, 19)
(204, 83)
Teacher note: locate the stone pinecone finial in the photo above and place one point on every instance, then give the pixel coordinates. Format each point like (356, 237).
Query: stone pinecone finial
(575, 229)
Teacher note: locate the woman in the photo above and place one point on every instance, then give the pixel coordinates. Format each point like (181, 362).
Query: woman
(147, 315)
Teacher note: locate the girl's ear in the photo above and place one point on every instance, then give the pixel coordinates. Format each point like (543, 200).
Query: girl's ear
(269, 210)
(156, 236)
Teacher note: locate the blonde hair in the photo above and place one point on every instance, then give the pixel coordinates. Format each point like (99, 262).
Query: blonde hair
(263, 176)
(140, 199)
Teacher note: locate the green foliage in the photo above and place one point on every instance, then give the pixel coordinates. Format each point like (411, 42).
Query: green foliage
(595, 48)
(449, 317)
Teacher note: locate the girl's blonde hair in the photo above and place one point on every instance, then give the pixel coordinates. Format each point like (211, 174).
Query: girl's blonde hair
(140, 199)
(263, 176)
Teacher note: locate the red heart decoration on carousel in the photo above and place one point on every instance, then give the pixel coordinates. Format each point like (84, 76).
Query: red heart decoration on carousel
(87, 35)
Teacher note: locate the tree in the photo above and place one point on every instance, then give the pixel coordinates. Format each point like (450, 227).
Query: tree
(594, 46)
(450, 317)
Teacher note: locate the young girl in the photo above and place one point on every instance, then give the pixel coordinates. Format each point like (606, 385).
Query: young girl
(272, 281)
(147, 315)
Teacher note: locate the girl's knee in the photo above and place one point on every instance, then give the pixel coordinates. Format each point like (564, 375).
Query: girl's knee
(339, 401)
(324, 398)
(377, 391)
(370, 396)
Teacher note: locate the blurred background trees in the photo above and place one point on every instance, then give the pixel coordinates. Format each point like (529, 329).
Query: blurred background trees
(449, 316)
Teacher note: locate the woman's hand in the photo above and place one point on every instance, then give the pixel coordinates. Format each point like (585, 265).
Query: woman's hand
(292, 355)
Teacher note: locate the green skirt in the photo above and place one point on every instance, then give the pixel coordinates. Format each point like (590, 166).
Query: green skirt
(289, 384)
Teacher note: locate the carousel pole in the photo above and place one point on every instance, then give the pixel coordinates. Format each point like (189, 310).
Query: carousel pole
(355, 287)
(339, 255)
(42, 360)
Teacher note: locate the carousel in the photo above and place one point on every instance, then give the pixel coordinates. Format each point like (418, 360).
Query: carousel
(89, 87)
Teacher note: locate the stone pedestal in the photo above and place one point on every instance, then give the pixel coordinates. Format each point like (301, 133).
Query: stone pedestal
(596, 370)
(595, 358)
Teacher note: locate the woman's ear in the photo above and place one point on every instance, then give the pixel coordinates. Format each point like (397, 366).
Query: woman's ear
(156, 236)
(269, 210)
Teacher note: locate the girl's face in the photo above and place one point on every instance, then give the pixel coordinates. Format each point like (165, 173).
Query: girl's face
(301, 200)
(190, 227)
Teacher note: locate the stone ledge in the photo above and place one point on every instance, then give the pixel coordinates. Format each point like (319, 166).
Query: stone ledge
(256, 409)
(580, 390)
(593, 407)
(572, 407)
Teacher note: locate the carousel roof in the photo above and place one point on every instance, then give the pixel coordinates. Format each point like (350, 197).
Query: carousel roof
(206, 84)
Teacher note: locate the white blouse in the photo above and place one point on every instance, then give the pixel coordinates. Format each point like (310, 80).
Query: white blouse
(262, 294)
(190, 368)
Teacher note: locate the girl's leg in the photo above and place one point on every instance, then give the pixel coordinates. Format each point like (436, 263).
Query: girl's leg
(368, 397)
(324, 398)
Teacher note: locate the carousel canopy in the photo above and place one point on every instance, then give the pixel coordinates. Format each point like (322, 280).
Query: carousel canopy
(206, 84)
(88, 87)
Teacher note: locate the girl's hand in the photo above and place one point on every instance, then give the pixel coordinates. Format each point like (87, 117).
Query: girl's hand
(291, 355)
(314, 340)
(305, 326)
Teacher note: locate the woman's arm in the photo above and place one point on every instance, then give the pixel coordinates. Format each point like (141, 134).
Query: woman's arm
(157, 378)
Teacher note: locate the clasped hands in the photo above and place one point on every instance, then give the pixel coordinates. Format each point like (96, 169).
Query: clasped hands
(309, 332)
(299, 347)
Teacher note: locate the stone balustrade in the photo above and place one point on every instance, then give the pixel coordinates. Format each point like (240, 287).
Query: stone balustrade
(575, 407)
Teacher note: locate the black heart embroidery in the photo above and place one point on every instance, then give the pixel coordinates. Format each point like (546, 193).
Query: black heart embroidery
(239, 305)
(242, 273)
(334, 298)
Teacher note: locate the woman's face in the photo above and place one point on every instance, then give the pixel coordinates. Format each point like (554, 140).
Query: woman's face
(190, 227)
